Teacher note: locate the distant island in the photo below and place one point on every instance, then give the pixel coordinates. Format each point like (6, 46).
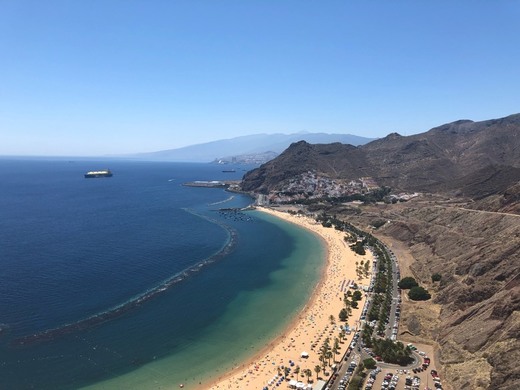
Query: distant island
(250, 149)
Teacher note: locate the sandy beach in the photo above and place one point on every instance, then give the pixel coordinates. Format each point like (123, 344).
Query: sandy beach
(312, 326)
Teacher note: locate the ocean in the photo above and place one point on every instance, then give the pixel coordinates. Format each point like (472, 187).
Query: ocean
(136, 281)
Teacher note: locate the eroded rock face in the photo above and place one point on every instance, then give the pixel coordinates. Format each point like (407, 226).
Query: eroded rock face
(478, 255)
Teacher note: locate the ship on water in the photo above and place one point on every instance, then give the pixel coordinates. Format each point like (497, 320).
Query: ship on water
(102, 173)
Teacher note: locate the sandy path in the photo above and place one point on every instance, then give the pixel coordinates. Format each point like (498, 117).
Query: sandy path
(308, 331)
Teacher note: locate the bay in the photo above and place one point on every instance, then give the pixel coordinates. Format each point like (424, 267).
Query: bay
(75, 249)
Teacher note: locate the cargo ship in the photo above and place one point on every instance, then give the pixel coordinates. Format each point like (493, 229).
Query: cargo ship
(103, 173)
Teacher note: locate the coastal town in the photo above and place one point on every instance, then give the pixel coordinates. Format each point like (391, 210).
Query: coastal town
(310, 185)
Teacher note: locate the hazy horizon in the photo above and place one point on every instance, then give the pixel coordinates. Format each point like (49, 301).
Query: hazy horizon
(134, 155)
(95, 78)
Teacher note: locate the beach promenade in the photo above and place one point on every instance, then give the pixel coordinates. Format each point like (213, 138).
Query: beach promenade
(299, 345)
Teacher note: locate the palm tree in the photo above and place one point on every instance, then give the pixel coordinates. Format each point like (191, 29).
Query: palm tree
(328, 355)
(324, 348)
(308, 374)
(332, 319)
(326, 342)
(336, 343)
(297, 372)
(336, 348)
(317, 370)
(323, 361)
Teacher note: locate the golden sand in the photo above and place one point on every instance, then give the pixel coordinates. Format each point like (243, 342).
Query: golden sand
(309, 330)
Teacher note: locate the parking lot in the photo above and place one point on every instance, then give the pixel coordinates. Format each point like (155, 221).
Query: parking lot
(396, 378)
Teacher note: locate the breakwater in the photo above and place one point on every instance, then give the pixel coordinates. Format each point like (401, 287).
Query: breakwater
(135, 302)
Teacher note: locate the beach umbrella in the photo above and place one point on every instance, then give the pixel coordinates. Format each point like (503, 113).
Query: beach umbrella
(304, 354)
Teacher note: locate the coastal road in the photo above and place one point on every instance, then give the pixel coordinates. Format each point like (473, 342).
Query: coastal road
(395, 311)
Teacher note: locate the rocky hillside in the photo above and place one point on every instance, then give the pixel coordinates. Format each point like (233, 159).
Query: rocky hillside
(331, 160)
(475, 313)
(507, 201)
(475, 159)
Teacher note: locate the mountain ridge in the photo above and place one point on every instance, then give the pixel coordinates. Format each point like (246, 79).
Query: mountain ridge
(249, 144)
(434, 161)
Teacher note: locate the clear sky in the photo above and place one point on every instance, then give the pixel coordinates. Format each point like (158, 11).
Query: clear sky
(94, 77)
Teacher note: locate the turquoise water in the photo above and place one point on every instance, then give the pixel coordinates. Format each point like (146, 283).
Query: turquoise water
(137, 281)
(248, 323)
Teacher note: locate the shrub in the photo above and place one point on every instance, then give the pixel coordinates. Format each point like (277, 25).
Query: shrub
(407, 283)
(436, 277)
(378, 223)
(392, 352)
(369, 363)
(355, 383)
(418, 293)
(358, 248)
(357, 295)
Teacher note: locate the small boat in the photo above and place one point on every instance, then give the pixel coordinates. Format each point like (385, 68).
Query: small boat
(229, 170)
(102, 173)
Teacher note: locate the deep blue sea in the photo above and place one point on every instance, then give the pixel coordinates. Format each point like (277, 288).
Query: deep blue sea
(136, 281)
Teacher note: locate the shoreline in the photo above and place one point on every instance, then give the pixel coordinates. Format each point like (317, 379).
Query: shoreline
(305, 332)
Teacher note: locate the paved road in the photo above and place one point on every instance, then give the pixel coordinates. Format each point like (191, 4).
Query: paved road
(395, 311)
(477, 211)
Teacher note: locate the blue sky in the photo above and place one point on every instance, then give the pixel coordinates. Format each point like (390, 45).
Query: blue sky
(97, 77)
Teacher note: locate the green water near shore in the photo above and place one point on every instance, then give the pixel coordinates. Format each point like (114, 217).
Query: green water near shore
(250, 321)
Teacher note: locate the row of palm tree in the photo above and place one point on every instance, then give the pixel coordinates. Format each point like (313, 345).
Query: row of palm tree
(363, 269)
(326, 353)
(306, 371)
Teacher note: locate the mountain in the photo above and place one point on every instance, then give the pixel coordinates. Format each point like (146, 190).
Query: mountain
(469, 158)
(465, 226)
(247, 145)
